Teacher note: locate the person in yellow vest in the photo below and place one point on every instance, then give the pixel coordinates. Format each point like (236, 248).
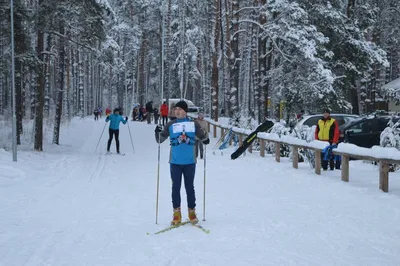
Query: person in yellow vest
(327, 130)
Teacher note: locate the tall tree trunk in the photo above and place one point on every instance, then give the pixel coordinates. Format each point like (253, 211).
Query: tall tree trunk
(142, 70)
(167, 54)
(81, 95)
(47, 78)
(215, 56)
(235, 63)
(40, 91)
(262, 70)
(61, 87)
(19, 73)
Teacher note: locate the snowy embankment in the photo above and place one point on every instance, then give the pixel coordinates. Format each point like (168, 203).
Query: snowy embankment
(72, 206)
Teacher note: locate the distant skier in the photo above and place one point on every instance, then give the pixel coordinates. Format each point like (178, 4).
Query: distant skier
(108, 111)
(164, 113)
(182, 133)
(113, 130)
(96, 114)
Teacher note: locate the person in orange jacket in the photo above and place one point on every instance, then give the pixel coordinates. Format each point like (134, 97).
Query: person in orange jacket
(327, 130)
(164, 113)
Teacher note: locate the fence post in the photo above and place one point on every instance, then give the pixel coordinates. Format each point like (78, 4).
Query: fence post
(345, 168)
(262, 148)
(240, 139)
(278, 152)
(222, 131)
(317, 162)
(215, 131)
(384, 176)
(295, 157)
(208, 127)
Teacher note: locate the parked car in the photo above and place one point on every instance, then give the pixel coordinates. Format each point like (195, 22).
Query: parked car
(312, 120)
(365, 131)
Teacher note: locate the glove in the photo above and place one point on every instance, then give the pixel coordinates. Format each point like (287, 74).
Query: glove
(126, 118)
(206, 141)
(158, 129)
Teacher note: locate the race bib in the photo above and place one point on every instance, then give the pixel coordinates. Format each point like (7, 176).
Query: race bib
(183, 127)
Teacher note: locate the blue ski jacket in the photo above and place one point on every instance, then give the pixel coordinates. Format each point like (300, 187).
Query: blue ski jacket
(114, 121)
(182, 134)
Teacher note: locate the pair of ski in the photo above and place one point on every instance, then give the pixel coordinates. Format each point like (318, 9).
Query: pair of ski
(181, 224)
(110, 153)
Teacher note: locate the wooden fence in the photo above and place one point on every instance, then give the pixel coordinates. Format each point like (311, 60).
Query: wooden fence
(345, 169)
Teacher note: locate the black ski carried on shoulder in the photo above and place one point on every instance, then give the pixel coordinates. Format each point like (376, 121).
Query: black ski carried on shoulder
(249, 140)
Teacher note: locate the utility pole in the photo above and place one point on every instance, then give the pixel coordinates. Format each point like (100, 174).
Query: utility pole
(183, 45)
(162, 59)
(14, 118)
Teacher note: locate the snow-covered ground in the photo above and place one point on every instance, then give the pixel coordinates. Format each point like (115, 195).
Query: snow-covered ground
(73, 206)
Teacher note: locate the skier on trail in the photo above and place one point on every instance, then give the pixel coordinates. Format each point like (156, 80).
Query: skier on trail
(149, 109)
(199, 143)
(113, 130)
(96, 114)
(182, 133)
(108, 111)
(327, 130)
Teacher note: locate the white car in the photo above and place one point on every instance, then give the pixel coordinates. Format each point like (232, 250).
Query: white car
(312, 120)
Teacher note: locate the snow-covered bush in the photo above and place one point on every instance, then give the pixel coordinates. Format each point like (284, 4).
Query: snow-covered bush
(280, 129)
(390, 137)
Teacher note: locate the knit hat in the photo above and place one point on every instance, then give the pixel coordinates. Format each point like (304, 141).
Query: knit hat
(326, 110)
(183, 105)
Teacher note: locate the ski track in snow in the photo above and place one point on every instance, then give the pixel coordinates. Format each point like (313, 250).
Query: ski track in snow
(73, 206)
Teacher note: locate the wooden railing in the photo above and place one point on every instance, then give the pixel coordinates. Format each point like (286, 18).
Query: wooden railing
(316, 146)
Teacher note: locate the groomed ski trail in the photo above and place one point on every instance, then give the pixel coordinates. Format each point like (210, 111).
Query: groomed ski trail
(73, 206)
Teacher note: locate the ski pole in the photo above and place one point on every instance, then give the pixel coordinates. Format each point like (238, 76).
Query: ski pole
(204, 184)
(100, 137)
(131, 138)
(158, 177)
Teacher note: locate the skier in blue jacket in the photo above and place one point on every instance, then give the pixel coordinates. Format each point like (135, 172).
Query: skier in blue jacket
(182, 132)
(115, 118)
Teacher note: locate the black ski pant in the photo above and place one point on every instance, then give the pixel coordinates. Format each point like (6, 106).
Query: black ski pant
(164, 118)
(113, 132)
(188, 171)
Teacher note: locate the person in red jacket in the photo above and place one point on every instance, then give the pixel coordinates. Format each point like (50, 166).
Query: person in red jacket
(164, 113)
(108, 111)
(327, 130)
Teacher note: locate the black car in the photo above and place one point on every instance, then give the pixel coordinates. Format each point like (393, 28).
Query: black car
(365, 131)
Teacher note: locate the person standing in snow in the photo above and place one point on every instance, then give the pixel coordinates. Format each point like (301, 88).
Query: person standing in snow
(199, 143)
(327, 130)
(113, 130)
(164, 113)
(182, 132)
(156, 115)
(149, 109)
